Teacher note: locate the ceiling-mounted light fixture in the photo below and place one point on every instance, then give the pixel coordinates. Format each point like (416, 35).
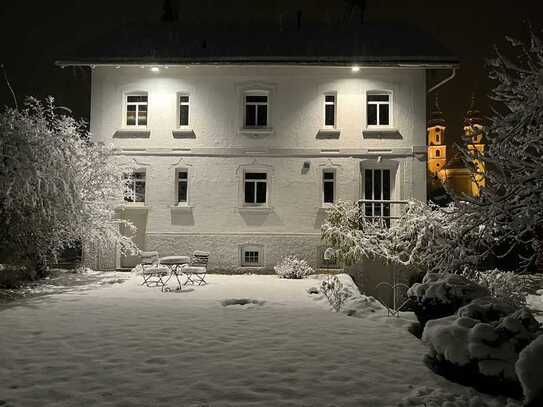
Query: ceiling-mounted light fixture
(155, 69)
(355, 68)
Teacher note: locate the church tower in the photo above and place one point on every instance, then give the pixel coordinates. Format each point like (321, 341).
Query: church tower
(437, 150)
(474, 140)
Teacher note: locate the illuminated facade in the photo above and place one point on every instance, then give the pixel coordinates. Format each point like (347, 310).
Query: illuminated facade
(453, 172)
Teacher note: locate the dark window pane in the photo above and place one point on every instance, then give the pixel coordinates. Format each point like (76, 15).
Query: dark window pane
(328, 175)
(139, 175)
(142, 118)
(377, 184)
(330, 98)
(386, 184)
(142, 108)
(250, 115)
(262, 115)
(255, 175)
(182, 191)
(329, 192)
(140, 192)
(329, 119)
(182, 175)
(383, 114)
(261, 192)
(368, 188)
(378, 98)
(251, 257)
(131, 118)
(372, 115)
(256, 99)
(131, 108)
(249, 192)
(184, 99)
(136, 99)
(184, 115)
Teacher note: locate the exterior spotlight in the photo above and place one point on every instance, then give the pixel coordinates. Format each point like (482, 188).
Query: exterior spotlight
(355, 68)
(155, 69)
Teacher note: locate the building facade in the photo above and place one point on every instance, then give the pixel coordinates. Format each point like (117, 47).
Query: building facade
(240, 154)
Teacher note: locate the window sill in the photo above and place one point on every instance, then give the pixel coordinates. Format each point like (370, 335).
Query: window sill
(326, 206)
(256, 131)
(132, 133)
(255, 209)
(327, 134)
(381, 132)
(134, 206)
(183, 133)
(181, 208)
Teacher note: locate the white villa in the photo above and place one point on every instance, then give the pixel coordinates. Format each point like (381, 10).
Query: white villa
(240, 148)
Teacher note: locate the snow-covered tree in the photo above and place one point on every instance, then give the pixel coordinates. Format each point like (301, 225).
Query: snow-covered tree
(57, 187)
(422, 237)
(509, 211)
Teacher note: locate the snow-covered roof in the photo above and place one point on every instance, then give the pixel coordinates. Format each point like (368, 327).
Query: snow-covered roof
(176, 43)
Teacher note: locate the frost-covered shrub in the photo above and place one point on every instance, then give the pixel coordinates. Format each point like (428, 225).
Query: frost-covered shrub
(57, 187)
(292, 267)
(503, 285)
(480, 344)
(529, 369)
(442, 294)
(335, 292)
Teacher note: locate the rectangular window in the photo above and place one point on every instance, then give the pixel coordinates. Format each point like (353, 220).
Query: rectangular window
(377, 188)
(250, 257)
(329, 110)
(135, 187)
(136, 110)
(378, 109)
(256, 185)
(182, 186)
(183, 110)
(328, 186)
(256, 111)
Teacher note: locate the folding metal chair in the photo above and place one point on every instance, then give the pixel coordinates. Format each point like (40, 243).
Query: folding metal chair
(196, 270)
(154, 275)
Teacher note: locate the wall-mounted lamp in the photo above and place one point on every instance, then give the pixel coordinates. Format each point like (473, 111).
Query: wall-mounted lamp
(155, 69)
(307, 164)
(379, 158)
(355, 68)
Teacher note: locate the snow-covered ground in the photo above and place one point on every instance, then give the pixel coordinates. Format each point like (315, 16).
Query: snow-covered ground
(113, 342)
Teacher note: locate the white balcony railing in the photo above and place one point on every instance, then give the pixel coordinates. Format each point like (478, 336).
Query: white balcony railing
(381, 210)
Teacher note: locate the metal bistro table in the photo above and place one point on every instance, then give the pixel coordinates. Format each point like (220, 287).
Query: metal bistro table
(175, 264)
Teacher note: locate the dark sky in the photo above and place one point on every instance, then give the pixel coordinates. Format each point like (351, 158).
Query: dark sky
(35, 33)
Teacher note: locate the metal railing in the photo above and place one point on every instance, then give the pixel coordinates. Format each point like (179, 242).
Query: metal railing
(381, 210)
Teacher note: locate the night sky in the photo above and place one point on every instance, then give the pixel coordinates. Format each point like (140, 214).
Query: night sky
(34, 34)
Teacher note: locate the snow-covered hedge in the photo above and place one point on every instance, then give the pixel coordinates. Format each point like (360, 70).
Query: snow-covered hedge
(292, 267)
(442, 294)
(529, 369)
(480, 344)
(504, 285)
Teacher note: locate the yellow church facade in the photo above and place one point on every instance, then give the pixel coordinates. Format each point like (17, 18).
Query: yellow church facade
(452, 173)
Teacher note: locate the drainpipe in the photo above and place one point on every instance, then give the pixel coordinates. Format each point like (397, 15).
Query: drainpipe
(443, 82)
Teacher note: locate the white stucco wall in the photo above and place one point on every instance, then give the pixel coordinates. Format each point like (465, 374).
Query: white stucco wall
(218, 153)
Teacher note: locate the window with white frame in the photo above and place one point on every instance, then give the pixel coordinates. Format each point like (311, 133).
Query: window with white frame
(136, 110)
(379, 108)
(184, 106)
(135, 187)
(377, 187)
(256, 109)
(182, 186)
(251, 256)
(330, 110)
(255, 188)
(328, 186)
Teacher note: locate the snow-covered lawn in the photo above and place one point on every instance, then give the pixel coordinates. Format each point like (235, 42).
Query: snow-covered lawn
(127, 345)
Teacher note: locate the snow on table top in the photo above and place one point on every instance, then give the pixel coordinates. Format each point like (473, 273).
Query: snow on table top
(125, 344)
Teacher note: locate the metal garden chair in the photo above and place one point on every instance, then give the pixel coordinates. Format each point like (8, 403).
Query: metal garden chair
(196, 270)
